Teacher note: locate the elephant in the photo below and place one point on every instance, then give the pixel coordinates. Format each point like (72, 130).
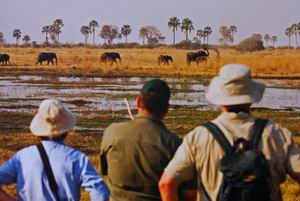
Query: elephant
(164, 59)
(47, 56)
(110, 57)
(4, 59)
(197, 57)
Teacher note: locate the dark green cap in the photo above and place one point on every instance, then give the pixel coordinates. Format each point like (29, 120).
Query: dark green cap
(156, 87)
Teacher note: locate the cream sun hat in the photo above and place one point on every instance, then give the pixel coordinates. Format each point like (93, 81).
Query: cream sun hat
(234, 86)
(52, 119)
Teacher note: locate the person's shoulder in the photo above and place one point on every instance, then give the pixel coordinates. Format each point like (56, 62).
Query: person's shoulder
(27, 150)
(274, 129)
(118, 125)
(115, 130)
(71, 153)
(199, 134)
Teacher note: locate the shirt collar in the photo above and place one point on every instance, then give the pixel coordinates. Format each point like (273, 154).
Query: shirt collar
(143, 115)
(52, 142)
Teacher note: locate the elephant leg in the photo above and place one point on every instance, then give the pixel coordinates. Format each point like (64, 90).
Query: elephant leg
(52, 61)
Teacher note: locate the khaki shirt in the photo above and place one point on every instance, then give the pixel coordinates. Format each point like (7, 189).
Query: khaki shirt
(199, 154)
(136, 153)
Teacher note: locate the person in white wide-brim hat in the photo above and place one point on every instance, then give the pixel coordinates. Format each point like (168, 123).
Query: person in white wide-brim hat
(53, 119)
(234, 86)
(71, 169)
(235, 91)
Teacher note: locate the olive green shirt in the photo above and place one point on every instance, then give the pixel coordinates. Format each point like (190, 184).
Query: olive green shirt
(134, 155)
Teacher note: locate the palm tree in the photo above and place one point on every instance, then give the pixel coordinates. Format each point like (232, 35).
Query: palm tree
(295, 29)
(274, 39)
(26, 39)
(267, 37)
(200, 34)
(173, 24)
(232, 29)
(46, 29)
(93, 24)
(1, 38)
(289, 32)
(143, 33)
(85, 30)
(56, 28)
(207, 33)
(17, 34)
(187, 27)
(125, 31)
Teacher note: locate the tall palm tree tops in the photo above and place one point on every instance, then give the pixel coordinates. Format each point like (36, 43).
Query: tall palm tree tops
(125, 31)
(17, 34)
(93, 24)
(174, 24)
(187, 27)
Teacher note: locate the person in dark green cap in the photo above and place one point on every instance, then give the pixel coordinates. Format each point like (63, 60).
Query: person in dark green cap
(134, 153)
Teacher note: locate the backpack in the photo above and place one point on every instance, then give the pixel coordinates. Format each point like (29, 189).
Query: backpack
(245, 168)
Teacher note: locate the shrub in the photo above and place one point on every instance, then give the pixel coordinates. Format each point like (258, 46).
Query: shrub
(251, 44)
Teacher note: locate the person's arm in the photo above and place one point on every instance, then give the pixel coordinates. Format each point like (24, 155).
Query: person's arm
(294, 162)
(8, 175)
(5, 197)
(106, 144)
(168, 188)
(179, 180)
(8, 171)
(293, 155)
(93, 183)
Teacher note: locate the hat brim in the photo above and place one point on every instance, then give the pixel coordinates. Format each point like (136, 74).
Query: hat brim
(217, 96)
(41, 127)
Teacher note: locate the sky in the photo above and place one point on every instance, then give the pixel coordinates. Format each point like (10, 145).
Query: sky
(249, 16)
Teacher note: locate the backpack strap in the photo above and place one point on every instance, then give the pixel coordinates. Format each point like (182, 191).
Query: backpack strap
(48, 169)
(259, 126)
(219, 136)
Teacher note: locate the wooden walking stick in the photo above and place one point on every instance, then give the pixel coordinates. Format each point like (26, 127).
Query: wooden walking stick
(128, 109)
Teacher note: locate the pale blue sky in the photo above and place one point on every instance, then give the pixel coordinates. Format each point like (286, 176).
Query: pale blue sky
(250, 16)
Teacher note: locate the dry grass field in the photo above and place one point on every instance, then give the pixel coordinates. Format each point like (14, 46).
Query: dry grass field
(269, 63)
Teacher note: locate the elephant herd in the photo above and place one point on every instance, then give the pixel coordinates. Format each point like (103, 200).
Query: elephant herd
(199, 56)
(114, 57)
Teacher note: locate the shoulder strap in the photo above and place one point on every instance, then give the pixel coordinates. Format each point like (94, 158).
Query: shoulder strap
(219, 136)
(48, 169)
(259, 126)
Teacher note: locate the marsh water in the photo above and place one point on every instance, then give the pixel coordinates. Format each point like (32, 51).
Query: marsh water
(24, 93)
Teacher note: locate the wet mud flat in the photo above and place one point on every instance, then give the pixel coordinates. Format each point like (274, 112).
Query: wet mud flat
(98, 101)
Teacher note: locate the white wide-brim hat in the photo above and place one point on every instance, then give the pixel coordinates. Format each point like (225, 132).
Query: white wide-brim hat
(52, 119)
(234, 86)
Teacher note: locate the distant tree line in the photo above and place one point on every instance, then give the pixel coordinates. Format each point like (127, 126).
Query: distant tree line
(293, 30)
(150, 35)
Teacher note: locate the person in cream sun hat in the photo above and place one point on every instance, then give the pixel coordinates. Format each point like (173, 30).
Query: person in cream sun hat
(53, 119)
(71, 169)
(199, 154)
(234, 86)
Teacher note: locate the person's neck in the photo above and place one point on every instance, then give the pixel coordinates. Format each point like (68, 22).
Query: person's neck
(147, 113)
